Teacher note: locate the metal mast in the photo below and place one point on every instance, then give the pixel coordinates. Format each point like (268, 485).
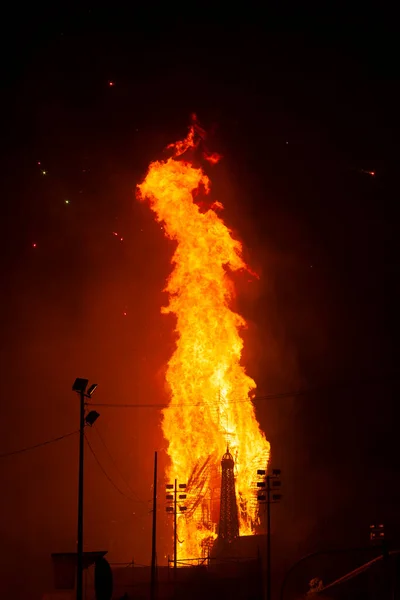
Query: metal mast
(228, 520)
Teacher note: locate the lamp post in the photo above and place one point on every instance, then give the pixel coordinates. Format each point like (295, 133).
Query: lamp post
(271, 482)
(377, 536)
(154, 534)
(79, 387)
(377, 533)
(174, 509)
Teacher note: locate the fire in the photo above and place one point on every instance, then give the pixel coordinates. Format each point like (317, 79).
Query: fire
(210, 406)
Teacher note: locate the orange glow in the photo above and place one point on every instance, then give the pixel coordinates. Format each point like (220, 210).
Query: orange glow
(210, 405)
(212, 158)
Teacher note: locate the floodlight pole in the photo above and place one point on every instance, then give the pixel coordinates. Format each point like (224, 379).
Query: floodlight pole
(154, 535)
(268, 490)
(174, 509)
(79, 578)
(175, 531)
(80, 386)
(268, 499)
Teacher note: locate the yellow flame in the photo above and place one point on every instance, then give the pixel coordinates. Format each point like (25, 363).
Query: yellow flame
(210, 405)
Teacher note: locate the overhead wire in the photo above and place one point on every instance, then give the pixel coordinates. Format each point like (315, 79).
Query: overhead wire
(34, 446)
(67, 435)
(106, 475)
(263, 397)
(128, 564)
(117, 468)
(278, 396)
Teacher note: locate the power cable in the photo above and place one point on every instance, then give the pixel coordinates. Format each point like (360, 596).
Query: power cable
(278, 396)
(106, 474)
(117, 468)
(129, 564)
(282, 395)
(28, 448)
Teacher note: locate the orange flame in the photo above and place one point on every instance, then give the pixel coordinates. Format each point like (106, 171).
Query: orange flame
(213, 158)
(210, 405)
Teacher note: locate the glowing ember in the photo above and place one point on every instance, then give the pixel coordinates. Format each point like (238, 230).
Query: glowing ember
(210, 406)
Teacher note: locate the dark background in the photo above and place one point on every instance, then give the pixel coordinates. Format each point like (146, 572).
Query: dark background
(301, 109)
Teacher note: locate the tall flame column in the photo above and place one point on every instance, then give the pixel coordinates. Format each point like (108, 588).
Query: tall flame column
(208, 386)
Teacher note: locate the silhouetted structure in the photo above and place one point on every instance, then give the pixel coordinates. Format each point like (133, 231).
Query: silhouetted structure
(234, 579)
(228, 519)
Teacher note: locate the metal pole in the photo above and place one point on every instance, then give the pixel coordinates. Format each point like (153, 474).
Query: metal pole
(154, 531)
(79, 572)
(268, 538)
(175, 531)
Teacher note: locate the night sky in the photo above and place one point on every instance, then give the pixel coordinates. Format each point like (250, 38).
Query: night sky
(302, 117)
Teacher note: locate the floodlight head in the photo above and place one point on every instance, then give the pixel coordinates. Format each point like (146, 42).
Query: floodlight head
(80, 385)
(92, 390)
(91, 417)
(276, 472)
